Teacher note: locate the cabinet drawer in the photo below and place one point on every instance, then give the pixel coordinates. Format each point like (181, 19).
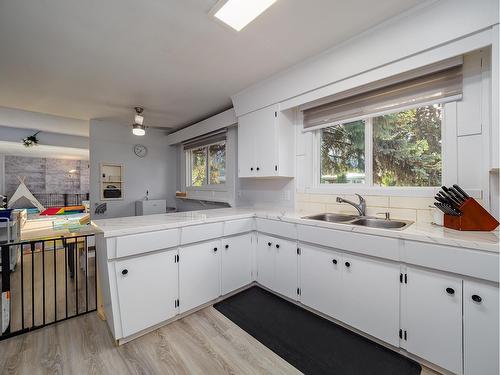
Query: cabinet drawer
(196, 233)
(377, 246)
(480, 264)
(145, 242)
(238, 226)
(278, 228)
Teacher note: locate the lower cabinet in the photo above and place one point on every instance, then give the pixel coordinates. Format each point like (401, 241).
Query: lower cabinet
(432, 318)
(265, 260)
(236, 258)
(370, 297)
(320, 279)
(481, 326)
(286, 268)
(277, 265)
(199, 274)
(147, 290)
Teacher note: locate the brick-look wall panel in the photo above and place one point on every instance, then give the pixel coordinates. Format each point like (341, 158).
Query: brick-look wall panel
(45, 175)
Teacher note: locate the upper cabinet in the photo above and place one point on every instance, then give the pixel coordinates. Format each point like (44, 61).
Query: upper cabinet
(266, 143)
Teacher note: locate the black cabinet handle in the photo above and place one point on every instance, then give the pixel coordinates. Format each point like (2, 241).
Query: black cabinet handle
(347, 264)
(450, 291)
(124, 272)
(257, 168)
(334, 261)
(227, 246)
(251, 168)
(215, 249)
(269, 244)
(277, 246)
(476, 298)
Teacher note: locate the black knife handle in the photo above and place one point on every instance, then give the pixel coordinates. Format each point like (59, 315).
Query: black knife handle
(461, 191)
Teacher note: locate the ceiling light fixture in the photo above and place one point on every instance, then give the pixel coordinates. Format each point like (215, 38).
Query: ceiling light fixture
(137, 127)
(239, 13)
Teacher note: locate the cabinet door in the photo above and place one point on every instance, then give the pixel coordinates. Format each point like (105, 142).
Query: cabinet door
(320, 279)
(286, 271)
(433, 320)
(246, 135)
(199, 274)
(370, 296)
(147, 290)
(236, 262)
(265, 260)
(266, 141)
(480, 328)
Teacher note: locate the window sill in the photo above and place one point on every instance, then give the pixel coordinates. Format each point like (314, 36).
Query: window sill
(383, 191)
(221, 188)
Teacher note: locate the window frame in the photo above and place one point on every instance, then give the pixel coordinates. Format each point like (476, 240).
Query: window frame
(448, 148)
(189, 163)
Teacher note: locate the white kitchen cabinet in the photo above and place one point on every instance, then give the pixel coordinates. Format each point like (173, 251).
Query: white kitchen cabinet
(147, 290)
(265, 260)
(286, 269)
(277, 265)
(370, 296)
(199, 274)
(266, 143)
(432, 323)
(236, 261)
(481, 325)
(320, 279)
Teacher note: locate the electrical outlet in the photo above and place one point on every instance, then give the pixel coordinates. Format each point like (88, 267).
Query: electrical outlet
(285, 195)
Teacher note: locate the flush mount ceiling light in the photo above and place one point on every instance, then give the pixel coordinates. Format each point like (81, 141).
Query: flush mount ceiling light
(137, 127)
(239, 13)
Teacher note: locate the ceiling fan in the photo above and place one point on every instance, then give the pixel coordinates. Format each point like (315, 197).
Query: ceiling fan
(138, 127)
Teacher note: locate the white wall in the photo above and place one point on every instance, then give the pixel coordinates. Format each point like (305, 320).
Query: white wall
(111, 142)
(434, 24)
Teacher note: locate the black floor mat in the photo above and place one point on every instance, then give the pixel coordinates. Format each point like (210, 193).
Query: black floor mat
(312, 344)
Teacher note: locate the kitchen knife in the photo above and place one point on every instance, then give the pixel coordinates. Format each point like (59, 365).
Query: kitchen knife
(444, 200)
(450, 197)
(447, 209)
(461, 191)
(449, 194)
(441, 198)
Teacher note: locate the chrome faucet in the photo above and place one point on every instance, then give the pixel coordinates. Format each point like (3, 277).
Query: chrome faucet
(361, 207)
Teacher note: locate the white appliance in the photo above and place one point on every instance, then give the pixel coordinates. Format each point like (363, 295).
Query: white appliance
(150, 207)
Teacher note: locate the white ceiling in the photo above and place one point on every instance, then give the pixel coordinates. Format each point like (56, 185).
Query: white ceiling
(98, 59)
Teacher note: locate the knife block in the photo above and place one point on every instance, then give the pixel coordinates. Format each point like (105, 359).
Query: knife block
(474, 217)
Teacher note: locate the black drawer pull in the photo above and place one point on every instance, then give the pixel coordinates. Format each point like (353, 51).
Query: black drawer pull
(124, 272)
(277, 246)
(450, 291)
(334, 261)
(269, 244)
(476, 298)
(227, 246)
(215, 249)
(347, 264)
(251, 169)
(257, 168)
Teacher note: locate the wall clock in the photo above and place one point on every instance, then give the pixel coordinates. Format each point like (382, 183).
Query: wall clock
(140, 150)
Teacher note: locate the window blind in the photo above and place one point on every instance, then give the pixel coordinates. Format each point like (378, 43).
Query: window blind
(390, 95)
(206, 139)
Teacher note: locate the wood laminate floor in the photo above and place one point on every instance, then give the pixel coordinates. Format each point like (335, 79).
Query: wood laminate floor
(205, 342)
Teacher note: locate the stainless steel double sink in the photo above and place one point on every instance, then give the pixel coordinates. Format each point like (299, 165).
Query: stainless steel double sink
(363, 221)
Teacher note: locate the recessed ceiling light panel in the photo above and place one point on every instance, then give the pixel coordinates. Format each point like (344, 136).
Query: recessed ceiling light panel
(239, 13)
